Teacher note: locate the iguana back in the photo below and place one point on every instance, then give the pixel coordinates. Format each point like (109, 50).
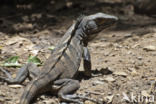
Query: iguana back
(63, 63)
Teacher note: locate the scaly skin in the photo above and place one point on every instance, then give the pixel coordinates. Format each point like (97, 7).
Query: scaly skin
(62, 66)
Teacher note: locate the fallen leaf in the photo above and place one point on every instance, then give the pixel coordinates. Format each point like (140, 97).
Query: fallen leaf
(34, 60)
(109, 79)
(12, 62)
(14, 40)
(15, 86)
(150, 48)
(97, 82)
(120, 73)
(51, 48)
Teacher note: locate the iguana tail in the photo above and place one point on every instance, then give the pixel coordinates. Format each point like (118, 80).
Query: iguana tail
(37, 86)
(29, 93)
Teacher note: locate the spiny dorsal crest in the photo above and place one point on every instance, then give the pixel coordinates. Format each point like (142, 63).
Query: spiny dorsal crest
(59, 53)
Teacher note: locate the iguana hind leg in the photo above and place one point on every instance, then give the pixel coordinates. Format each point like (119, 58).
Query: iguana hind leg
(68, 87)
(28, 70)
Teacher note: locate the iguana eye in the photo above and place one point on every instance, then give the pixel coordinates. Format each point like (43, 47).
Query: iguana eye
(91, 26)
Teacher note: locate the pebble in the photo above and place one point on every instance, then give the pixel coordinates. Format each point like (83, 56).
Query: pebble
(150, 48)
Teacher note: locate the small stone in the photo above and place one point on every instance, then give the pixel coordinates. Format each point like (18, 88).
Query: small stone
(150, 48)
(128, 35)
(120, 73)
(139, 58)
(42, 97)
(134, 72)
(97, 83)
(89, 102)
(109, 79)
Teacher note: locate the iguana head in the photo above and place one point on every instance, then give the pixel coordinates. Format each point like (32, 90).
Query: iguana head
(97, 22)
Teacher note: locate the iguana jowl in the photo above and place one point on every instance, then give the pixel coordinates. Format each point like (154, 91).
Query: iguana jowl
(63, 64)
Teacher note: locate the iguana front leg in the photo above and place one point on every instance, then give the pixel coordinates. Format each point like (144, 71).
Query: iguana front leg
(29, 70)
(86, 62)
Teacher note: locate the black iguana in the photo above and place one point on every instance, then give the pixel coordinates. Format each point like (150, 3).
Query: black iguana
(63, 64)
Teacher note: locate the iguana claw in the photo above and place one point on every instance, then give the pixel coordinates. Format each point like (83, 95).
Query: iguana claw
(5, 72)
(7, 79)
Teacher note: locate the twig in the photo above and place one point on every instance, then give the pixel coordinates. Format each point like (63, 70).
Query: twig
(96, 93)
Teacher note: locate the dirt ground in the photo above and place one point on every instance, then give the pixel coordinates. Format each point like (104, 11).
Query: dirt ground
(123, 58)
